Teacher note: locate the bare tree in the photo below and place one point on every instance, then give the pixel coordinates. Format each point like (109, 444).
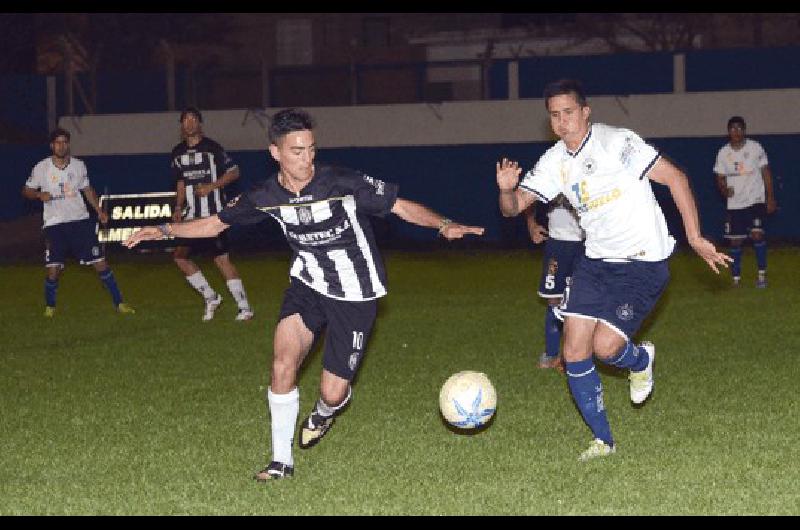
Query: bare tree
(624, 32)
(111, 42)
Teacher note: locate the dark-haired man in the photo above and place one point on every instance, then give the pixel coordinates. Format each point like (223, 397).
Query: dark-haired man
(202, 169)
(605, 173)
(61, 182)
(337, 274)
(745, 180)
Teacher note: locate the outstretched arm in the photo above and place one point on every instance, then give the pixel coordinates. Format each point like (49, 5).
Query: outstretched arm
(205, 227)
(416, 213)
(664, 172)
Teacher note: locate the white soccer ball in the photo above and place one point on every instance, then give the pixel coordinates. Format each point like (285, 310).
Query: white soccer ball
(467, 400)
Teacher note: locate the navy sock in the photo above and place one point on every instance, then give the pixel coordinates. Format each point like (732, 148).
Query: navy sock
(107, 277)
(736, 266)
(552, 332)
(50, 288)
(761, 255)
(629, 356)
(587, 391)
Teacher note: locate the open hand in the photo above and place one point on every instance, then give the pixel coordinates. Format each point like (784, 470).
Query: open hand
(508, 172)
(706, 250)
(148, 233)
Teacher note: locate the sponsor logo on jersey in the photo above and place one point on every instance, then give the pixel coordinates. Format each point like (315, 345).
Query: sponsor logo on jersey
(589, 165)
(627, 152)
(304, 214)
(322, 237)
(377, 184)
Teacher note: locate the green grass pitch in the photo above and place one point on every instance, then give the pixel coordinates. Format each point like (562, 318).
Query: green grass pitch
(160, 413)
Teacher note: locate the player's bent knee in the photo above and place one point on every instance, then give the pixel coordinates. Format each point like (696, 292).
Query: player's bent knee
(334, 389)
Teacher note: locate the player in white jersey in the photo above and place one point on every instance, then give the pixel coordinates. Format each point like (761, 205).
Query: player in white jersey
(60, 181)
(336, 274)
(605, 173)
(202, 170)
(745, 180)
(563, 244)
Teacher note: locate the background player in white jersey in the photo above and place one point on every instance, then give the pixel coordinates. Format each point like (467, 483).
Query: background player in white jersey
(60, 181)
(563, 245)
(745, 180)
(605, 173)
(202, 170)
(337, 273)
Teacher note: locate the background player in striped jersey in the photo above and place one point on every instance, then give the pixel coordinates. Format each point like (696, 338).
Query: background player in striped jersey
(60, 181)
(605, 172)
(337, 274)
(202, 170)
(563, 245)
(745, 180)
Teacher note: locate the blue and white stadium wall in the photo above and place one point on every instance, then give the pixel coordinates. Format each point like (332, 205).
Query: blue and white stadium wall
(443, 155)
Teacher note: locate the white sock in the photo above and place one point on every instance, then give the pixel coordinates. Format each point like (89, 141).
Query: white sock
(199, 282)
(284, 409)
(237, 290)
(327, 411)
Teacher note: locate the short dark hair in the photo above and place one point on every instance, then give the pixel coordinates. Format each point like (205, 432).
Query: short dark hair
(288, 121)
(191, 110)
(58, 131)
(735, 120)
(565, 86)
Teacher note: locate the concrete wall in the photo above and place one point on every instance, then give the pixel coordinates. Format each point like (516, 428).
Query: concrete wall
(443, 155)
(452, 123)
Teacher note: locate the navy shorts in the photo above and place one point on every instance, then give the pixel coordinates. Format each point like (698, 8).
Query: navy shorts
(620, 295)
(739, 223)
(349, 325)
(77, 238)
(212, 246)
(558, 263)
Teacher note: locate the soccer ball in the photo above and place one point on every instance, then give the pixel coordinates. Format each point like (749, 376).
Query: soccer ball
(467, 400)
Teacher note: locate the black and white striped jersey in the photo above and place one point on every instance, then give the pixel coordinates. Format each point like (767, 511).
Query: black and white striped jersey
(326, 227)
(204, 163)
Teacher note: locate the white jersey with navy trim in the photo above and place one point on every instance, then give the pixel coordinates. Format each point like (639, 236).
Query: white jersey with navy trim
(64, 186)
(742, 170)
(327, 229)
(606, 182)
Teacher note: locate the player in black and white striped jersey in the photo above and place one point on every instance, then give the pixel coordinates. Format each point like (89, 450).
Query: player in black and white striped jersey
(202, 169)
(337, 273)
